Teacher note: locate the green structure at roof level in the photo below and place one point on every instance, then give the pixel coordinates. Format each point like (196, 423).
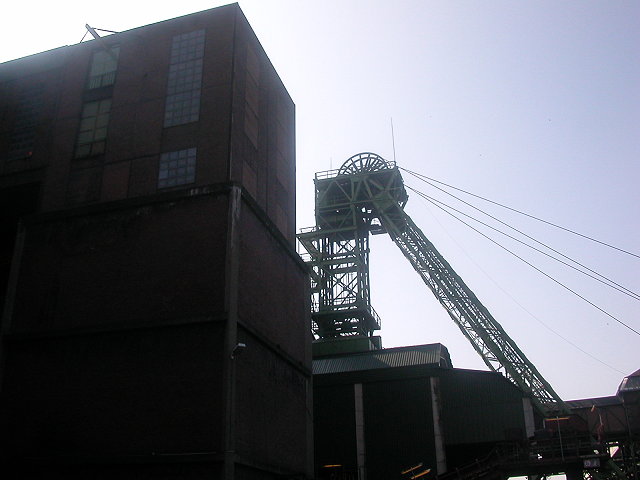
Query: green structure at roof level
(367, 195)
(338, 245)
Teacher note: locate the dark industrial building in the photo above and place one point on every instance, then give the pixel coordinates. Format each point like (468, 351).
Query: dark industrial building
(156, 317)
(157, 321)
(407, 406)
(407, 413)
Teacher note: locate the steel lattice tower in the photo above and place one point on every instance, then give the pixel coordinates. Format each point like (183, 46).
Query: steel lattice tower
(338, 245)
(367, 195)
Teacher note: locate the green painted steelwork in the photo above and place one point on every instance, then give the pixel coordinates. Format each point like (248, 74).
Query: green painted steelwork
(338, 246)
(367, 195)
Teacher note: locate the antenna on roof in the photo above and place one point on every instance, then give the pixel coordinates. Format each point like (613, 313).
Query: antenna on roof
(94, 32)
(393, 141)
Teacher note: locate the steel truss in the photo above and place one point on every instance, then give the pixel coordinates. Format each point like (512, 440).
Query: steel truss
(499, 352)
(366, 195)
(338, 247)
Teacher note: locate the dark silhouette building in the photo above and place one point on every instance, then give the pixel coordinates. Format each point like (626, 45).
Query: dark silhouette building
(155, 313)
(380, 413)
(405, 412)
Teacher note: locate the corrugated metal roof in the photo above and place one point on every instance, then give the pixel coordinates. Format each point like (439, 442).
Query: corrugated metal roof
(630, 383)
(591, 402)
(434, 354)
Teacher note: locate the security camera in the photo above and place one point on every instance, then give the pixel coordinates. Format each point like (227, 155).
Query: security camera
(237, 350)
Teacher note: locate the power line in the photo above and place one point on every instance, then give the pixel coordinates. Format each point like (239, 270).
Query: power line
(537, 269)
(615, 286)
(422, 177)
(535, 240)
(514, 300)
(531, 238)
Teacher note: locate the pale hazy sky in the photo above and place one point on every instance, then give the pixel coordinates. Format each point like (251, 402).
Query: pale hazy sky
(534, 104)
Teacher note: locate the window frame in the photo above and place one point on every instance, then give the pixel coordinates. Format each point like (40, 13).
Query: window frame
(177, 168)
(93, 128)
(105, 61)
(184, 78)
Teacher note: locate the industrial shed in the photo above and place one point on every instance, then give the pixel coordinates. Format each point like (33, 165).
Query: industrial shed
(380, 412)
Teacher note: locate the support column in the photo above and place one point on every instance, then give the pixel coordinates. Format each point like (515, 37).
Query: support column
(360, 438)
(438, 436)
(231, 332)
(529, 420)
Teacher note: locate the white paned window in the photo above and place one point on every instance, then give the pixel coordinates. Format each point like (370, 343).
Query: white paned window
(92, 134)
(177, 168)
(103, 68)
(185, 79)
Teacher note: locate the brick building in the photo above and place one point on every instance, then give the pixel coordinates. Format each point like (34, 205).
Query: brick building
(156, 316)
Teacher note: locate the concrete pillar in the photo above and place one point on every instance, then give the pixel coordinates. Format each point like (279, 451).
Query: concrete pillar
(436, 402)
(361, 453)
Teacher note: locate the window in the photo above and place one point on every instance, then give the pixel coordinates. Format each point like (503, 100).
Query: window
(93, 128)
(187, 46)
(103, 68)
(185, 79)
(177, 168)
(183, 93)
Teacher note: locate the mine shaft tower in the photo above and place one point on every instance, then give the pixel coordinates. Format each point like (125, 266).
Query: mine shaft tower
(339, 243)
(367, 195)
